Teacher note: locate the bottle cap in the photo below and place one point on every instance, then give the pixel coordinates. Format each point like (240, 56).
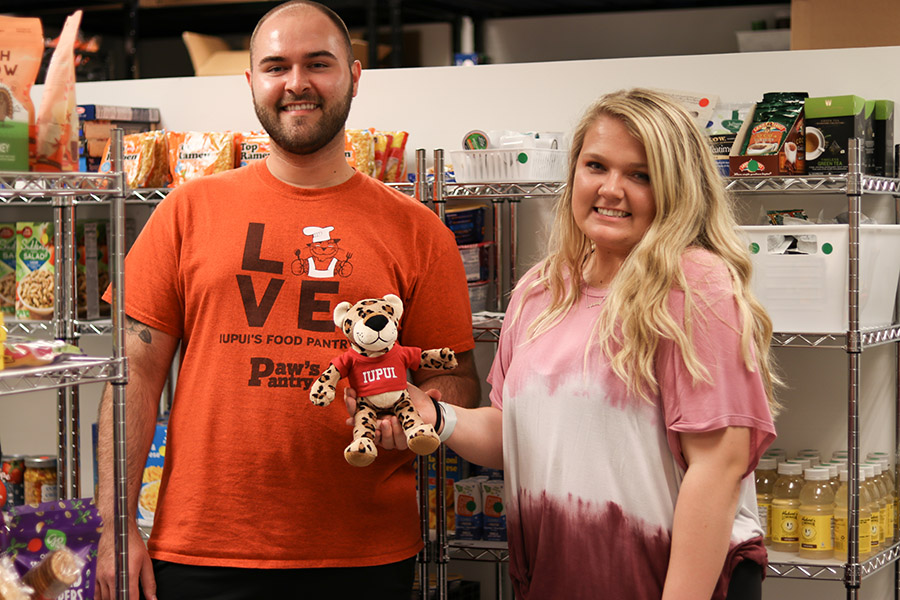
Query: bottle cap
(816, 474)
(869, 470)
(789, 468)
(845, 475)
(839, 454)
(876, 466)
(803, 462)
(767, 463)
(40, 462)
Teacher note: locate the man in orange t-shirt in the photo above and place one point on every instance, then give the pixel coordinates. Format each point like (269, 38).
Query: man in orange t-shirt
(256, 498)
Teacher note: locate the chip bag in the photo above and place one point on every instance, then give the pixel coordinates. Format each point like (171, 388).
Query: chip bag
(396, 157)
(57, 120)
(382, 143)
(21, 49)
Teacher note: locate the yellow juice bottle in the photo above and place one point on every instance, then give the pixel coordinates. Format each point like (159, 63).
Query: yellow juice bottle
(875, 505)
(816, 515)
(766, 474)
(785, 509)
(842, 527)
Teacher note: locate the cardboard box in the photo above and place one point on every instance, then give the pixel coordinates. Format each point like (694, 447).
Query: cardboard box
(150, 482)
(211, 55)
(788, 160)
(35, 273)
(831, 122)
(817, 24)
(884, 138)
(8, 269)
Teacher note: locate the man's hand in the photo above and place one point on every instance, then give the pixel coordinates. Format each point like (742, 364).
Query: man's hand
(138, 561)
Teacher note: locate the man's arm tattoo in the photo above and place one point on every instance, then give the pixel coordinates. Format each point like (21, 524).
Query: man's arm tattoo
(139, 329)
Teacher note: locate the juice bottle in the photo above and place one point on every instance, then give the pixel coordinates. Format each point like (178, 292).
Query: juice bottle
(766, 475)
(812, 454)
(804, 463)
(785, 508)
(839, 454)
(841, 523)
(866, 474)
(887, 475)
(816, 515)
(778, 453)
(833, 478)
(885, 502)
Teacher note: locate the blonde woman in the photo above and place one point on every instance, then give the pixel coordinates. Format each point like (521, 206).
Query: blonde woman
(632, 389)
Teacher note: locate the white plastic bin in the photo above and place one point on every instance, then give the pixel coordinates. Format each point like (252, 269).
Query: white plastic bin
(807, 293)
(522, 164)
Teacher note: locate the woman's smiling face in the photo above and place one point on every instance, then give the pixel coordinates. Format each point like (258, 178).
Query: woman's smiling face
(612, 199)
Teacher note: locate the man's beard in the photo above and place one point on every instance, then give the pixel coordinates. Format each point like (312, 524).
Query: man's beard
(305, 139)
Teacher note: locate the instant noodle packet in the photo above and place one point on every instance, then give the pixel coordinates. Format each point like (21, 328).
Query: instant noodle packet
(145, 159)
(21, 50)
(57, 121)
(382, 141)
(251, 147)
(194, 154)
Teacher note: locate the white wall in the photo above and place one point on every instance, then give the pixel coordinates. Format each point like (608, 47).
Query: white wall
(438, 105)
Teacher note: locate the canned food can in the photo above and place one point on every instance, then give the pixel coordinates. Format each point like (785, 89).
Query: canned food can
(12, 475)
(40, 479)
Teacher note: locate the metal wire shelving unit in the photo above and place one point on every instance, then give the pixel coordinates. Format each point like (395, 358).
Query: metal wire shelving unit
(61, 192)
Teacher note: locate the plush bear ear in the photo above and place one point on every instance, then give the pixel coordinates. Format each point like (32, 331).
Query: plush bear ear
(396, 303)
(340, 311)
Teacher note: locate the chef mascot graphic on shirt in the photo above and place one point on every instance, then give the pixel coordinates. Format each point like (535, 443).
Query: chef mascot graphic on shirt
(323, 257)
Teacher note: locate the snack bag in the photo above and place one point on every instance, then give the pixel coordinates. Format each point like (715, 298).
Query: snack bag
(396, 158)
(54, 544)
(193, 154)
(20, 352)
(57, 120)
(145, 159)
(21, 50)
(382, 143)
(250, 147)
(359, 148)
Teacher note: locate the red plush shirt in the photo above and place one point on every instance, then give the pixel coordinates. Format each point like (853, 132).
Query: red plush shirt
(371, 375)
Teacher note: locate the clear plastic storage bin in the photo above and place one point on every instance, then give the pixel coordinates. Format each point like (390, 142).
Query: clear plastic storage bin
(520, 164)
(808, 293)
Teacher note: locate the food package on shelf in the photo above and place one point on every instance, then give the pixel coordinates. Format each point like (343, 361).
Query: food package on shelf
(22, 45)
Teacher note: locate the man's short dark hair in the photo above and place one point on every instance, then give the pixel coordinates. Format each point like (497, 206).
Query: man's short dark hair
(333, 16)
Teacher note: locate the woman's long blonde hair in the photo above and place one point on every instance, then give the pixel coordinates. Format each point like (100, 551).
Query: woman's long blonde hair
(693, 209)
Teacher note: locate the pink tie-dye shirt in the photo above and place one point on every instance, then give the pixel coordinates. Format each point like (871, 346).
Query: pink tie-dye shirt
(593, 473)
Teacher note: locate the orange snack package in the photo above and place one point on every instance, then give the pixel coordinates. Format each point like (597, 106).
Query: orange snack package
(250, 147)
(359, 148)
(382, 143)
(21, 49)
(396, 158)
(145, 157)
(57, 120)
(194, 154)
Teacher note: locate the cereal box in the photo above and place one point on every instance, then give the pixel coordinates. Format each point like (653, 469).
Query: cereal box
(152, 478)
(34, 270)
(8, 268)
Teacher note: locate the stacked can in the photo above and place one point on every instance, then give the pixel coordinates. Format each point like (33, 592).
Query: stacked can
(13, 477)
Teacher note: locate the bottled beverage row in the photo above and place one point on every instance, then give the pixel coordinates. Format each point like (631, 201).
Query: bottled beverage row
(803, 503)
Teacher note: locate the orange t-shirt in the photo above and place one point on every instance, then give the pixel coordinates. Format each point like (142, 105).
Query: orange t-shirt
(247, 270)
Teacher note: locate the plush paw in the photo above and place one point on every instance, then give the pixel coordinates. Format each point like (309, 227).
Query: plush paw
(321, 394)
(422, 439)
(361, 452)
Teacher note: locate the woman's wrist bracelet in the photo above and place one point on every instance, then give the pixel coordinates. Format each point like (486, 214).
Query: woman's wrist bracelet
(449, 420)
(438, 413)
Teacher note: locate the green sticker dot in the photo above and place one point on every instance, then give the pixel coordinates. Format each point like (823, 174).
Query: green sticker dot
(754, 166)
(522, 158)
(471, 506)
(754, 248)
(827, 248)
(498, 507)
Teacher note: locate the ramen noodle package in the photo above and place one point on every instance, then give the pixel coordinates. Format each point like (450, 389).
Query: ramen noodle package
(152, 478)
(396, 160)
(250, 147)
(145, 158)
(57, 120)
(21, 50)
(34, 270)
(54, 547)
(194, 154)
(8, 268)
(359, 148)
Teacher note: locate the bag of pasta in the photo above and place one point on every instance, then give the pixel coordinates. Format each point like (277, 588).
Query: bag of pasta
(359, 148)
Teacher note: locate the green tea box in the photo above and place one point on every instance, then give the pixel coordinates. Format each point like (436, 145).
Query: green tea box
(884, 138)
(831, 122)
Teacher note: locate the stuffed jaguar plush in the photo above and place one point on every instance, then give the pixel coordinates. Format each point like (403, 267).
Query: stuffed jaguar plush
(376, 367)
